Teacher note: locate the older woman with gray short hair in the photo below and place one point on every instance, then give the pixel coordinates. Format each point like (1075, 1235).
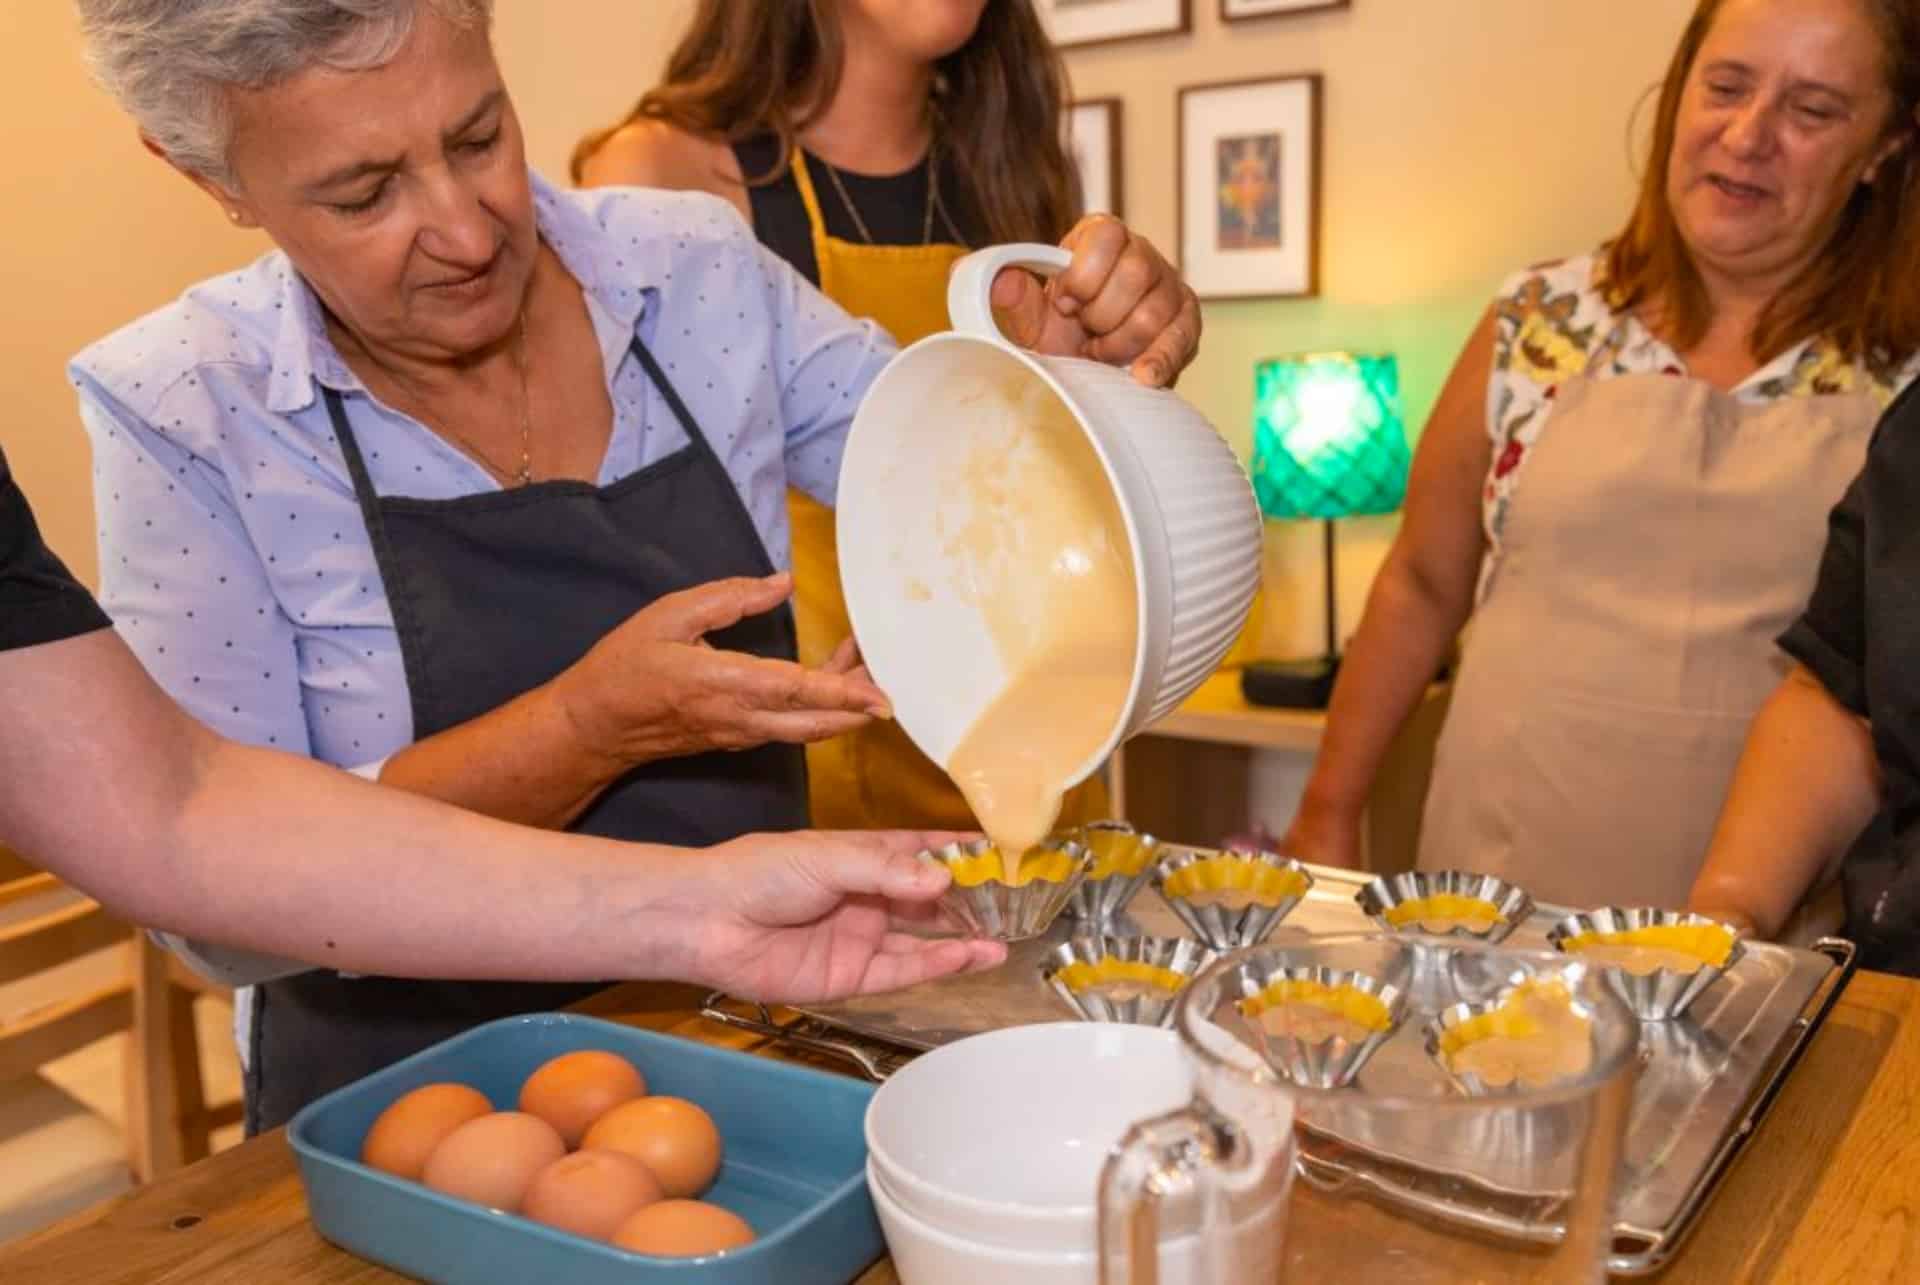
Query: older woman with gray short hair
(476, 486)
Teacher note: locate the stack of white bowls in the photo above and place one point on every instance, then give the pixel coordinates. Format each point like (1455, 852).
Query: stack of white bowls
(984, 1156)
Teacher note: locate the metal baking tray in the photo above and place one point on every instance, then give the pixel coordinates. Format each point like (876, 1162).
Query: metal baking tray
(1706, 1081)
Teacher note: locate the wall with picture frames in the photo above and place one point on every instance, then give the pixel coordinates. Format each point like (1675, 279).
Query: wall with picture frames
(1458, 140)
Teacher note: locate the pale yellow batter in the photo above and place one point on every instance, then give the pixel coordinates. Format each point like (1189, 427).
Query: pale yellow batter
(1443, 912)
(1230, 898)
(1641, 960)
(1440, 926)
(1036, 541)
(1534, 1038)
(1116, 850)
(1120, 978)
(1681, 948)
(1235, 881)
(1311, 1025)
(1313, 1012)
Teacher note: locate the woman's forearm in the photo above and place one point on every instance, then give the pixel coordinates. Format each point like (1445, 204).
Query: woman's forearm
(407, 880)
(651, 689)
(273, 853)
(1807, 784)
(526, 761)
(105, 783)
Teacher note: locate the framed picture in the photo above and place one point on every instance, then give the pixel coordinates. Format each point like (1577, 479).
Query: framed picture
(1239, 10)
(1249, 185)
(1093, 144)
(1097, 22)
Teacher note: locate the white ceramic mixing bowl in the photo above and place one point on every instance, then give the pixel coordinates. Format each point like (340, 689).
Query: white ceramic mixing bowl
(1192, 524)
(1000, 1138)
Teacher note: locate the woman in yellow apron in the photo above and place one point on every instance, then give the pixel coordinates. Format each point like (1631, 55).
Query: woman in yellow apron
(869, 146)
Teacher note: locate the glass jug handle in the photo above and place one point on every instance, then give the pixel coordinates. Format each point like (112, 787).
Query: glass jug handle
(1166, 1156)
(970, 287)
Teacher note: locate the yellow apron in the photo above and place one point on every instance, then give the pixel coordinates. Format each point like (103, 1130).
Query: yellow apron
(875, 778)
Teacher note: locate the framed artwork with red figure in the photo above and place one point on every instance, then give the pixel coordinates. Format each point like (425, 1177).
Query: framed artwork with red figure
(1249, 184)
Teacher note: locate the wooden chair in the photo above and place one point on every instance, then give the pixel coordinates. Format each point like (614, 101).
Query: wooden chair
(170, 1039)
(168, 1120)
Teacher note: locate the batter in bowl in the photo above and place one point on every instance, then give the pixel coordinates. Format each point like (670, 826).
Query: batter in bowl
(1038, 544)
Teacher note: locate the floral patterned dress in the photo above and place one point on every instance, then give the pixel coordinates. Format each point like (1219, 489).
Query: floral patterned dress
(1625, 629)
(1553, 322)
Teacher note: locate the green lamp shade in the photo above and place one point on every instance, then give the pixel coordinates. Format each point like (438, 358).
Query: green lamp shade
(1328, 438)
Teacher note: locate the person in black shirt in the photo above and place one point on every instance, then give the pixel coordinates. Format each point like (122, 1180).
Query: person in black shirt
(272, 853)
(1831, 772)
(39, 601)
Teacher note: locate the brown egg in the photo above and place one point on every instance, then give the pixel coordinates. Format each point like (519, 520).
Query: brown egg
(683, 1229)
(590, 1193)
(406, 1133)
(575, 1089)
(671, 1136)
(492, 1160)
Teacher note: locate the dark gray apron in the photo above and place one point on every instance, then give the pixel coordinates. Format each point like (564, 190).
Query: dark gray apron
(493, 595)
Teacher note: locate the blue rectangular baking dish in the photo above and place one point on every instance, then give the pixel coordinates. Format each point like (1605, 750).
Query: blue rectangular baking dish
(794, 1166)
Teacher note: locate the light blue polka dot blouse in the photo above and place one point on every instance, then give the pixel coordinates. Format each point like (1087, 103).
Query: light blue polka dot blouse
(233, 556)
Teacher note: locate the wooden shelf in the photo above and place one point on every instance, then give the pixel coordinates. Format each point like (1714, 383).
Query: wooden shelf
(1218, 714)
(1188, 777)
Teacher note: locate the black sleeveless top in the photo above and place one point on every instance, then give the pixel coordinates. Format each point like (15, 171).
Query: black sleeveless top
(894, 206)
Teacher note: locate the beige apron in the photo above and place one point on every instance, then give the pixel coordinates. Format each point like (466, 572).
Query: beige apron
(1663, 536)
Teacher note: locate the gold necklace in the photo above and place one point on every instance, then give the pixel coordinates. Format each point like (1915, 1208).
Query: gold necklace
(522, 476)
(933, 198)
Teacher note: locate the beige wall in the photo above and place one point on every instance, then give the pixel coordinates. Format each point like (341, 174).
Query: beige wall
(1462, 138)
(98, 231)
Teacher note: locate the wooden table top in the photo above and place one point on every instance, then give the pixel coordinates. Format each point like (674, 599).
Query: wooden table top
(1827, 1190)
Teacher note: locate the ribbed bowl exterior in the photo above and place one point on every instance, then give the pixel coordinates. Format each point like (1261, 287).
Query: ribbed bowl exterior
(1200, 511)
(1189, 506)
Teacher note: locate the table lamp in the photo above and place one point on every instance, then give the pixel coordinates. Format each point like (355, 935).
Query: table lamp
(1328, 442)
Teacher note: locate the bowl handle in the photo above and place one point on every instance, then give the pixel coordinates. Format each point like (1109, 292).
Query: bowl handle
(970, 288)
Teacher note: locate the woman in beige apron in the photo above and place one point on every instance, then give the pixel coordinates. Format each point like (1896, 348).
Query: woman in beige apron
(1626, 478)
(1665, 534)
(880, 245)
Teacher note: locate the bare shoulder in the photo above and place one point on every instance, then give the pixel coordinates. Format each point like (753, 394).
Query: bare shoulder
(652, 153)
